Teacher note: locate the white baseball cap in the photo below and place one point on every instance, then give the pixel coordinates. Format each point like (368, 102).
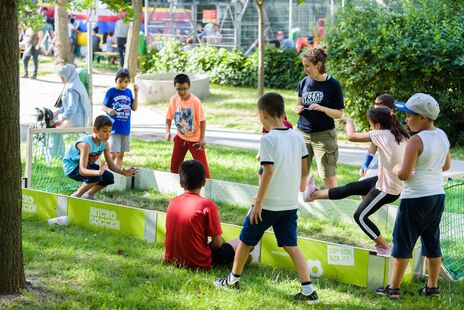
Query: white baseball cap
(422, 104)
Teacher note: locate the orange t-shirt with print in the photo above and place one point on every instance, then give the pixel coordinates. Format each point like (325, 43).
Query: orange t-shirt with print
(187, 116)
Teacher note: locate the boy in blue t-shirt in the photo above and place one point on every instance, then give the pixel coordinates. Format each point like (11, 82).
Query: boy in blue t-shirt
(118, 104)
(80, 161)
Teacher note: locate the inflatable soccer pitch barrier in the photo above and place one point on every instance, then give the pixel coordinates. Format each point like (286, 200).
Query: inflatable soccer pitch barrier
(344, 263)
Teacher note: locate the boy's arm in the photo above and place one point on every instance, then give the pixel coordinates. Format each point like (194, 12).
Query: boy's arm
(168, 129)
(304, 173)
(111, 165)
(255, 214)
(135, 104)
(84, 150)
(447, 164)
(351, 134)
(216, 242)
(413, 150)
(202, 133)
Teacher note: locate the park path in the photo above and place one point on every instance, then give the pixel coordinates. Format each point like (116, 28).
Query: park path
(148, 123)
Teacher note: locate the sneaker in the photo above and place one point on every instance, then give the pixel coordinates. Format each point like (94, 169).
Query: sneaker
(310, 189)
(392, 293)
(74, 195)
(382, 250)
(311, 299)
(430, 291)
(89, 197)
(222, 282)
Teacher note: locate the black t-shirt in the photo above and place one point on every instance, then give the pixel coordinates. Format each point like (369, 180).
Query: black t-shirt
(327, 93)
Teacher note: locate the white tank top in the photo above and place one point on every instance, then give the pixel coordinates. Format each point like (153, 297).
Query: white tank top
(427, 179)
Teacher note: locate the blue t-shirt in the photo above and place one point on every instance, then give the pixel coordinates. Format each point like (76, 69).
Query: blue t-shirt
(327, 93)
(120, 101)
(71, 160)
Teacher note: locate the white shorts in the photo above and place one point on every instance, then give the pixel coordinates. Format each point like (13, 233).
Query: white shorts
(119, 143)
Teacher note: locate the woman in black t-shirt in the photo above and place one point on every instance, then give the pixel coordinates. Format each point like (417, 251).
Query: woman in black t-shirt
(320, 101)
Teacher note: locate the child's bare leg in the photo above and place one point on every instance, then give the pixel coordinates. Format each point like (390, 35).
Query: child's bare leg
(381, 240)
(95, 189)
(83, 189)
(330, 182)
(320, 194)
(241, 256)
(116, 160)
(119, 159)
(399, 267)
(300, 262)
(433, 267)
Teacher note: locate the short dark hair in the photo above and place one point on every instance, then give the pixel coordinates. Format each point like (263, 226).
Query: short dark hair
(272, 104)
(192, 174)
(95, 29)
(102, 121)
(122, 73)
(386, 100)
(181, 78)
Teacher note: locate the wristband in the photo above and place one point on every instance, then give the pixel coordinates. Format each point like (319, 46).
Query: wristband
(367, 161)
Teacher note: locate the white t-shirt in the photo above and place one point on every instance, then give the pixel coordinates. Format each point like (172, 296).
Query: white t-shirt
(284, 149)
(390, 154)
(427, 178)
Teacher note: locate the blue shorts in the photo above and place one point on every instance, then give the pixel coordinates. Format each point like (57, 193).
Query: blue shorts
(418, 217)
(104, 180)
(283, 223)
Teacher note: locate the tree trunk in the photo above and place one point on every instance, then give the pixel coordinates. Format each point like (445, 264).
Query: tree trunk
(132, 45)
(61, 42)
(260, 7)
(11, 258)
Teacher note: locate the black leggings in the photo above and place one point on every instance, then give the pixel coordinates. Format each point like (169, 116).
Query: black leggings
(373, 201)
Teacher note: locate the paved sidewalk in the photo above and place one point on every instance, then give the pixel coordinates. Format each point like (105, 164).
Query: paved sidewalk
(149, 123)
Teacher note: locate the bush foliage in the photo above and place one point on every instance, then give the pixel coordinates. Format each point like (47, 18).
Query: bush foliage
(418, 47)
(283, 69)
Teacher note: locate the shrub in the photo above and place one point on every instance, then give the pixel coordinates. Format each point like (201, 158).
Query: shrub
(419, 47)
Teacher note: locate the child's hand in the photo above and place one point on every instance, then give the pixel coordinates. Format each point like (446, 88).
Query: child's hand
(168, 136)
(362, 171)
(344, 120)
(136, 88)
(255, 214)
(111, 112)
(258, 158)
(102, 168)
(130, 172)
(298, 109)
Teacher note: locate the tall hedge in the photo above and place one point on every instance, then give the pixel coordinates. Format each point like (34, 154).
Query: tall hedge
(418, 47)
(283, 69)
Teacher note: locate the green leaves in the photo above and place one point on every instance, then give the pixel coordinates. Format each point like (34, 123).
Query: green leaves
(419, 47)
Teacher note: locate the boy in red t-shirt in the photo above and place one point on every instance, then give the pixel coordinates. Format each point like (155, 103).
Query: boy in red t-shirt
(190, 220)
(187, 112)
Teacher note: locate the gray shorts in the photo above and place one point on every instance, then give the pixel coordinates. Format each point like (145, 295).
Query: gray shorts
(119, 143)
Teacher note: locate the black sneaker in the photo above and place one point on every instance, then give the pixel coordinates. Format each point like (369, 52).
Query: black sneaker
(222, 282)
(430, 291)
(392, 293)
(311, 299)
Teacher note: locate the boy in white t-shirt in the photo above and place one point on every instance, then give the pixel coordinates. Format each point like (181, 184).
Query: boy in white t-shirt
(422, 200)
(283, 157)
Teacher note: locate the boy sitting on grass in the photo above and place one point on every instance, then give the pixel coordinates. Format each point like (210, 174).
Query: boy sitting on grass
(190, 220)
(283, 156)
(80, 161)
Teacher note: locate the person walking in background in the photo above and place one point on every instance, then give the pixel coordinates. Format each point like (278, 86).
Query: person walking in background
(320, 101)
(32, 41)
(121, 30)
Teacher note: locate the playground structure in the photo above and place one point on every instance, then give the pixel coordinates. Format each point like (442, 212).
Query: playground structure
(237, 20)
(348, 264)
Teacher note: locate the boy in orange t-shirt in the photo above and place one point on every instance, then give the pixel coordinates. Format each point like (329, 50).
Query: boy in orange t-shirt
(187, 112)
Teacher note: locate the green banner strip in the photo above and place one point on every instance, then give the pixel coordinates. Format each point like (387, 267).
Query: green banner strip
(116, 219)
(42, 204)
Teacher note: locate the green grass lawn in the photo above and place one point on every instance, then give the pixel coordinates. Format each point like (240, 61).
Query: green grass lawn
(73, 268)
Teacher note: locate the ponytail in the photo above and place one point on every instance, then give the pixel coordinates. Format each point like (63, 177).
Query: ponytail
(389, 121)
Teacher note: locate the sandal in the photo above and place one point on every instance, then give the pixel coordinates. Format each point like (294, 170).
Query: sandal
(430, 291)
(392, 293)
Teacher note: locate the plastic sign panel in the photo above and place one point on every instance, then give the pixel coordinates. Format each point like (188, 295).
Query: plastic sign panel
(115, 219)
(39, 203)
(344, 263)
(160, 227)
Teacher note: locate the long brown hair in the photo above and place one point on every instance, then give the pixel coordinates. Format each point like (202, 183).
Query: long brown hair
(389, 121)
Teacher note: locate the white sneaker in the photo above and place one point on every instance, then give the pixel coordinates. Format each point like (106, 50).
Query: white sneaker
(74, 195)
(310, 189)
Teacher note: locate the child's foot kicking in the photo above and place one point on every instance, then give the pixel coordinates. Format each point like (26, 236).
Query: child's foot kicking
(231, 281)
(310, 189)
(383, 250)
